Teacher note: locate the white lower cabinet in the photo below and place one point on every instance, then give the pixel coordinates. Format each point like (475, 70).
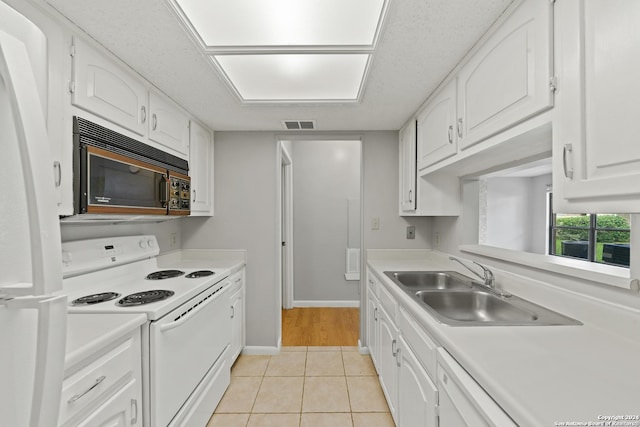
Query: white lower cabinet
(372, 327)
(462, 402)
(119, 411)
(417, 394)
(105, 388)
(236, 305)
(387, 360)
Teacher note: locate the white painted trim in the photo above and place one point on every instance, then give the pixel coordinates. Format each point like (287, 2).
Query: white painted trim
(260, 351)
(362, 349)
(305, 303)
(611, 275)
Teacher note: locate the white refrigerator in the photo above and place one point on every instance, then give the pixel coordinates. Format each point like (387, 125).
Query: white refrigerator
(32, 319)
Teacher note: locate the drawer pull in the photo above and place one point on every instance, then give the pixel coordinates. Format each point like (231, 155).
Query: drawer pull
(80, 395)
(134, 411)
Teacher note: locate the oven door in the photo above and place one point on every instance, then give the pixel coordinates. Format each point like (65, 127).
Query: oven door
(184, 345)
(116, 184)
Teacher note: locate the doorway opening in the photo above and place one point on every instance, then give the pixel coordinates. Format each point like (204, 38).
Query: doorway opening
(320, 225)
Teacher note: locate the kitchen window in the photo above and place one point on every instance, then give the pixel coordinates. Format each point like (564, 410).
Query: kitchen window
(602, 238)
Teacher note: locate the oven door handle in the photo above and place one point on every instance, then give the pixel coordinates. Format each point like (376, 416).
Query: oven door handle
(189, 313)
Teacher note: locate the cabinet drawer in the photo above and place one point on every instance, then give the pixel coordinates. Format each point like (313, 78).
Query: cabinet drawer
(423, 346)
(82, 388)
(388, 302)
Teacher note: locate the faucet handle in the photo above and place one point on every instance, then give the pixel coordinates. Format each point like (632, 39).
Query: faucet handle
(489, 278)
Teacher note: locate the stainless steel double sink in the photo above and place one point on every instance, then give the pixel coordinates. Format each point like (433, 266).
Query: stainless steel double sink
(457, 300)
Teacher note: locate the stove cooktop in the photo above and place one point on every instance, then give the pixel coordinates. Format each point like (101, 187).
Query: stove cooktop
(145, 297)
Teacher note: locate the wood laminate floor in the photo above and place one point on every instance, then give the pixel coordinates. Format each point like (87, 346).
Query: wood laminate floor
(320, 326)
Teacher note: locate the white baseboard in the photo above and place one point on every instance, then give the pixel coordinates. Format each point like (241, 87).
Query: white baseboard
(255, 350)
(361, 349)
(304, 303)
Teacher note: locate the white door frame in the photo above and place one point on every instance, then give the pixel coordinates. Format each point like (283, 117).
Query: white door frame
(286, 224)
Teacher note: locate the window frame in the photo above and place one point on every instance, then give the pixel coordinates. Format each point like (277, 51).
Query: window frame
(592, 230)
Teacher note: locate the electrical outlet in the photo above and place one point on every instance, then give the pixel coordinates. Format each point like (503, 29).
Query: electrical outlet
(375, 223)
(173, 240)
(436, 239)
(411, 231)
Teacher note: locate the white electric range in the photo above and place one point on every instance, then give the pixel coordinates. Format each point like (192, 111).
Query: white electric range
(188, 312)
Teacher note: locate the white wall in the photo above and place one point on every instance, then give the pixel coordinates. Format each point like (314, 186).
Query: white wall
(326, 174)
(508, 213)
(246, 170)
(245, 218)
(162, 231)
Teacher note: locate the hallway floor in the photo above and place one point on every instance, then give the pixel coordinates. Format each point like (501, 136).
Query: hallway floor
(304, 387)
(320, 326)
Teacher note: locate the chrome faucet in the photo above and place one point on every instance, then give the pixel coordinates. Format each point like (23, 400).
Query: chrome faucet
(488, 278)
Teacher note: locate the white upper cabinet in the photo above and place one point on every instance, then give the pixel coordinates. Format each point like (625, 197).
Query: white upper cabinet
(201, 170)
(107, 90)
(168, 125)
(437, 135)
(596, 143)
(508, 79)
(407, 139)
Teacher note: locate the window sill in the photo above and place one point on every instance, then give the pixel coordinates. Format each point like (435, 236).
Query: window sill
(611, 275)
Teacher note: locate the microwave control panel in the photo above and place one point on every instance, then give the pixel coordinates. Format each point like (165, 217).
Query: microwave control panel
(179, 194)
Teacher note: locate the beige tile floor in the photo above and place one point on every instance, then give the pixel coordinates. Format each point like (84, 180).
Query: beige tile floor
(304, 387)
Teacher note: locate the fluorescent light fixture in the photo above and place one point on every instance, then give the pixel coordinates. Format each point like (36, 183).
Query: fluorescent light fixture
(287, 50)
(295, 77)
(284, 23)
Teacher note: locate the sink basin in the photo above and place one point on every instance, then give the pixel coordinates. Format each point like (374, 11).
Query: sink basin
(474, 307)
(429, 280)
(480, 308)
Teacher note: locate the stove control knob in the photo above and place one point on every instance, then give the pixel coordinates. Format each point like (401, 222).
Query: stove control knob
(143, 244)
(151, 243)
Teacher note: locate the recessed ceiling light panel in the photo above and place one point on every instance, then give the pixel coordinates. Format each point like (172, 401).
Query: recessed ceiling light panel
(295, 77)
(284, 23)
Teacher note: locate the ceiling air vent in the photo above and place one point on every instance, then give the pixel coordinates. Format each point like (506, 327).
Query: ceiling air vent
(299, 124)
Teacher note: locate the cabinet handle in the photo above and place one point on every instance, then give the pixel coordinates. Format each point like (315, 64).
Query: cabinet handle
(410, 194)
(460, 127)
(394, 350)
(155, 121)
(143, 113)
(568, 148)
(58, 169)
(194, 195)
(134, 411)
(375, 314)
(233, 312)
(450, 133)
(80, 395)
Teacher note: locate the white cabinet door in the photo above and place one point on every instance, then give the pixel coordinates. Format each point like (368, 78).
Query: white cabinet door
(201, 170)
(387, 360)
(508, 79)
(407, 140)
(168, 125)
(107, 90)
(236, 303)
(123, 409)
(372, 327)
(437, 136)
(596, 143)
(417, 395)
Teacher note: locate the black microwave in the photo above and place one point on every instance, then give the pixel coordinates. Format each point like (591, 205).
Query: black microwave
(115, 174)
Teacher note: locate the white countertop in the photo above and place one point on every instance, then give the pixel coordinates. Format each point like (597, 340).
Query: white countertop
(538, 374)
(229, 259)
(87, 333)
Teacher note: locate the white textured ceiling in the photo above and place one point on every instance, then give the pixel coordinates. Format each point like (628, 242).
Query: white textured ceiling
(421, 43)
